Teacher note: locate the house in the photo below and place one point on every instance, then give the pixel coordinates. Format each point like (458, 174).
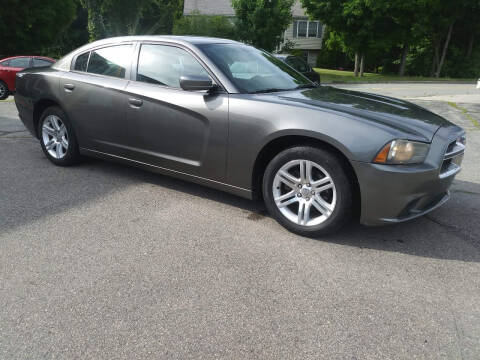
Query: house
(307, 35)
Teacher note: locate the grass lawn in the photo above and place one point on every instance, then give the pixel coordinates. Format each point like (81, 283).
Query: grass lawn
(338, 76)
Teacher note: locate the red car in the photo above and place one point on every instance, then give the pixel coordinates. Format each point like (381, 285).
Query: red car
(10, 66)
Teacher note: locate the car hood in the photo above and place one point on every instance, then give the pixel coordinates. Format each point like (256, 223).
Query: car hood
(385, 111)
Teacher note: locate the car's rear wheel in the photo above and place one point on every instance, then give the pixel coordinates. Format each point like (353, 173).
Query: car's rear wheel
(307, 190)
(4, 92)
(57, 137)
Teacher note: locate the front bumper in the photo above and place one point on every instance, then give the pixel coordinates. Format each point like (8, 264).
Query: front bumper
(397, 193)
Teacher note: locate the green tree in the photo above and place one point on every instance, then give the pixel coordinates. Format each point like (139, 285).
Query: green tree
(31, 26)
(401, 32)
(108, 18)
(205, 25)
(262, 22)
(73, 37)
(361, 24)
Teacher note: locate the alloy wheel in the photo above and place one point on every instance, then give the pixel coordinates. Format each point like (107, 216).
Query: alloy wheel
(304, 192)
(55, 136)
(3, 90)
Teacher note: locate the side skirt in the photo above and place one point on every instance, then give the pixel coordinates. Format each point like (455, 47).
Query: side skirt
(247, 194)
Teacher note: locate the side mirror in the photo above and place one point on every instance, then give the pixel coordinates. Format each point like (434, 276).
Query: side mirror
(196, 83)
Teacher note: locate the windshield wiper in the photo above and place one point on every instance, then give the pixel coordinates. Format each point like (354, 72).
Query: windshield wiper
(303, 86)
(267, 90)
(306, 86)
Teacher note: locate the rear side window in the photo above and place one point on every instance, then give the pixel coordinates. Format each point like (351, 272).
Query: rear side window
(41, 62)
(81, 62)
(4, 63)
(20, 62)
(164, 65)
(110, 61)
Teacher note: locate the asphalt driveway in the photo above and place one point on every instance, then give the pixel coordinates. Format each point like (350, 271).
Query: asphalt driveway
(103, 261)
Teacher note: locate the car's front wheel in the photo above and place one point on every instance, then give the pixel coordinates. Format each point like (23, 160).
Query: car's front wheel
(4, 92)
(57, 137)
(307, 190)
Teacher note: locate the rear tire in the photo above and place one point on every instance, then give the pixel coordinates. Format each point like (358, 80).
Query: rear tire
(57, 137)
(4, 92)
(307, 190)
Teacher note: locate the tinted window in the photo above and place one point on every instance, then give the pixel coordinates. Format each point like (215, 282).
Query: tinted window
(253, 70)
(41, 62)
(110, 61)
(4, 63)
(20, 62)
(164, 65)
(298, 64)
(81, 62)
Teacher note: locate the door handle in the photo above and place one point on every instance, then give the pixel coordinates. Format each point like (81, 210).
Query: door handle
(135, 102)
(69, 87)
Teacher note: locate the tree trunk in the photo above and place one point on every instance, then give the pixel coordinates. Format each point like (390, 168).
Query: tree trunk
(403, 61)
(444, 52)
(470, 45)
(362, 64)
(435, 58)
(355, 71)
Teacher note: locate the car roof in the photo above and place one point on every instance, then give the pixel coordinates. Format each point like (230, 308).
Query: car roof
(24, 56)
(182, 40)
(195, 40)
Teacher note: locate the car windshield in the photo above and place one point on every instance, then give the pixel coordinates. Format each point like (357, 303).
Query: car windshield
(252, 70)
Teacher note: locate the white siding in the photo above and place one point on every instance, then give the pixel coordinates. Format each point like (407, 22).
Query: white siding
(304, 43)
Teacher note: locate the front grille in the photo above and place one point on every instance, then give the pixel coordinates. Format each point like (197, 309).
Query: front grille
(452, 159)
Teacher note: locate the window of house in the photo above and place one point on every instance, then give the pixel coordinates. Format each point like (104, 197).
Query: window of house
(164, 65)
(23, 62)
(110, 61)
(302, 29)
(307, 29)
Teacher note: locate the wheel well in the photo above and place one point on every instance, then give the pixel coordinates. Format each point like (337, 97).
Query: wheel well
(270, 150)
(38, 110)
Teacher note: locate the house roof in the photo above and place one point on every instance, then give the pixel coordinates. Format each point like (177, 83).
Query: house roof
(224, 7)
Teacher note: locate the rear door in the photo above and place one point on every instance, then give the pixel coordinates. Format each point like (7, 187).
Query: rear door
(14, 66)
(180, 130)
(94, 95)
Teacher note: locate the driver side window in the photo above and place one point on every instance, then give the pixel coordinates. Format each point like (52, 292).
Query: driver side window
(164, 65)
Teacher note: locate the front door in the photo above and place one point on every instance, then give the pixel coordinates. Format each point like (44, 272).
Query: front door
(184, 131)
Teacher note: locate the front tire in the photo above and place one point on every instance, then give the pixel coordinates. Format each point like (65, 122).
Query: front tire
(4, 92)
(57, 137)
(307, 190)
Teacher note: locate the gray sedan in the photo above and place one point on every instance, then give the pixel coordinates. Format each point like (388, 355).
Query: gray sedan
(235, 118)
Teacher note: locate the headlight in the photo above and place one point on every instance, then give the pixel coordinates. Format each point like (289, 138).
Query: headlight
(402, 152)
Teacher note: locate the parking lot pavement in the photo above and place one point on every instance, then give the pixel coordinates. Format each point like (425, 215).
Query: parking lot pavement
(104, 261)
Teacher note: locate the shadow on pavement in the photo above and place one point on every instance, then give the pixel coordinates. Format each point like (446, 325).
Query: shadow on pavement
(32, 188)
